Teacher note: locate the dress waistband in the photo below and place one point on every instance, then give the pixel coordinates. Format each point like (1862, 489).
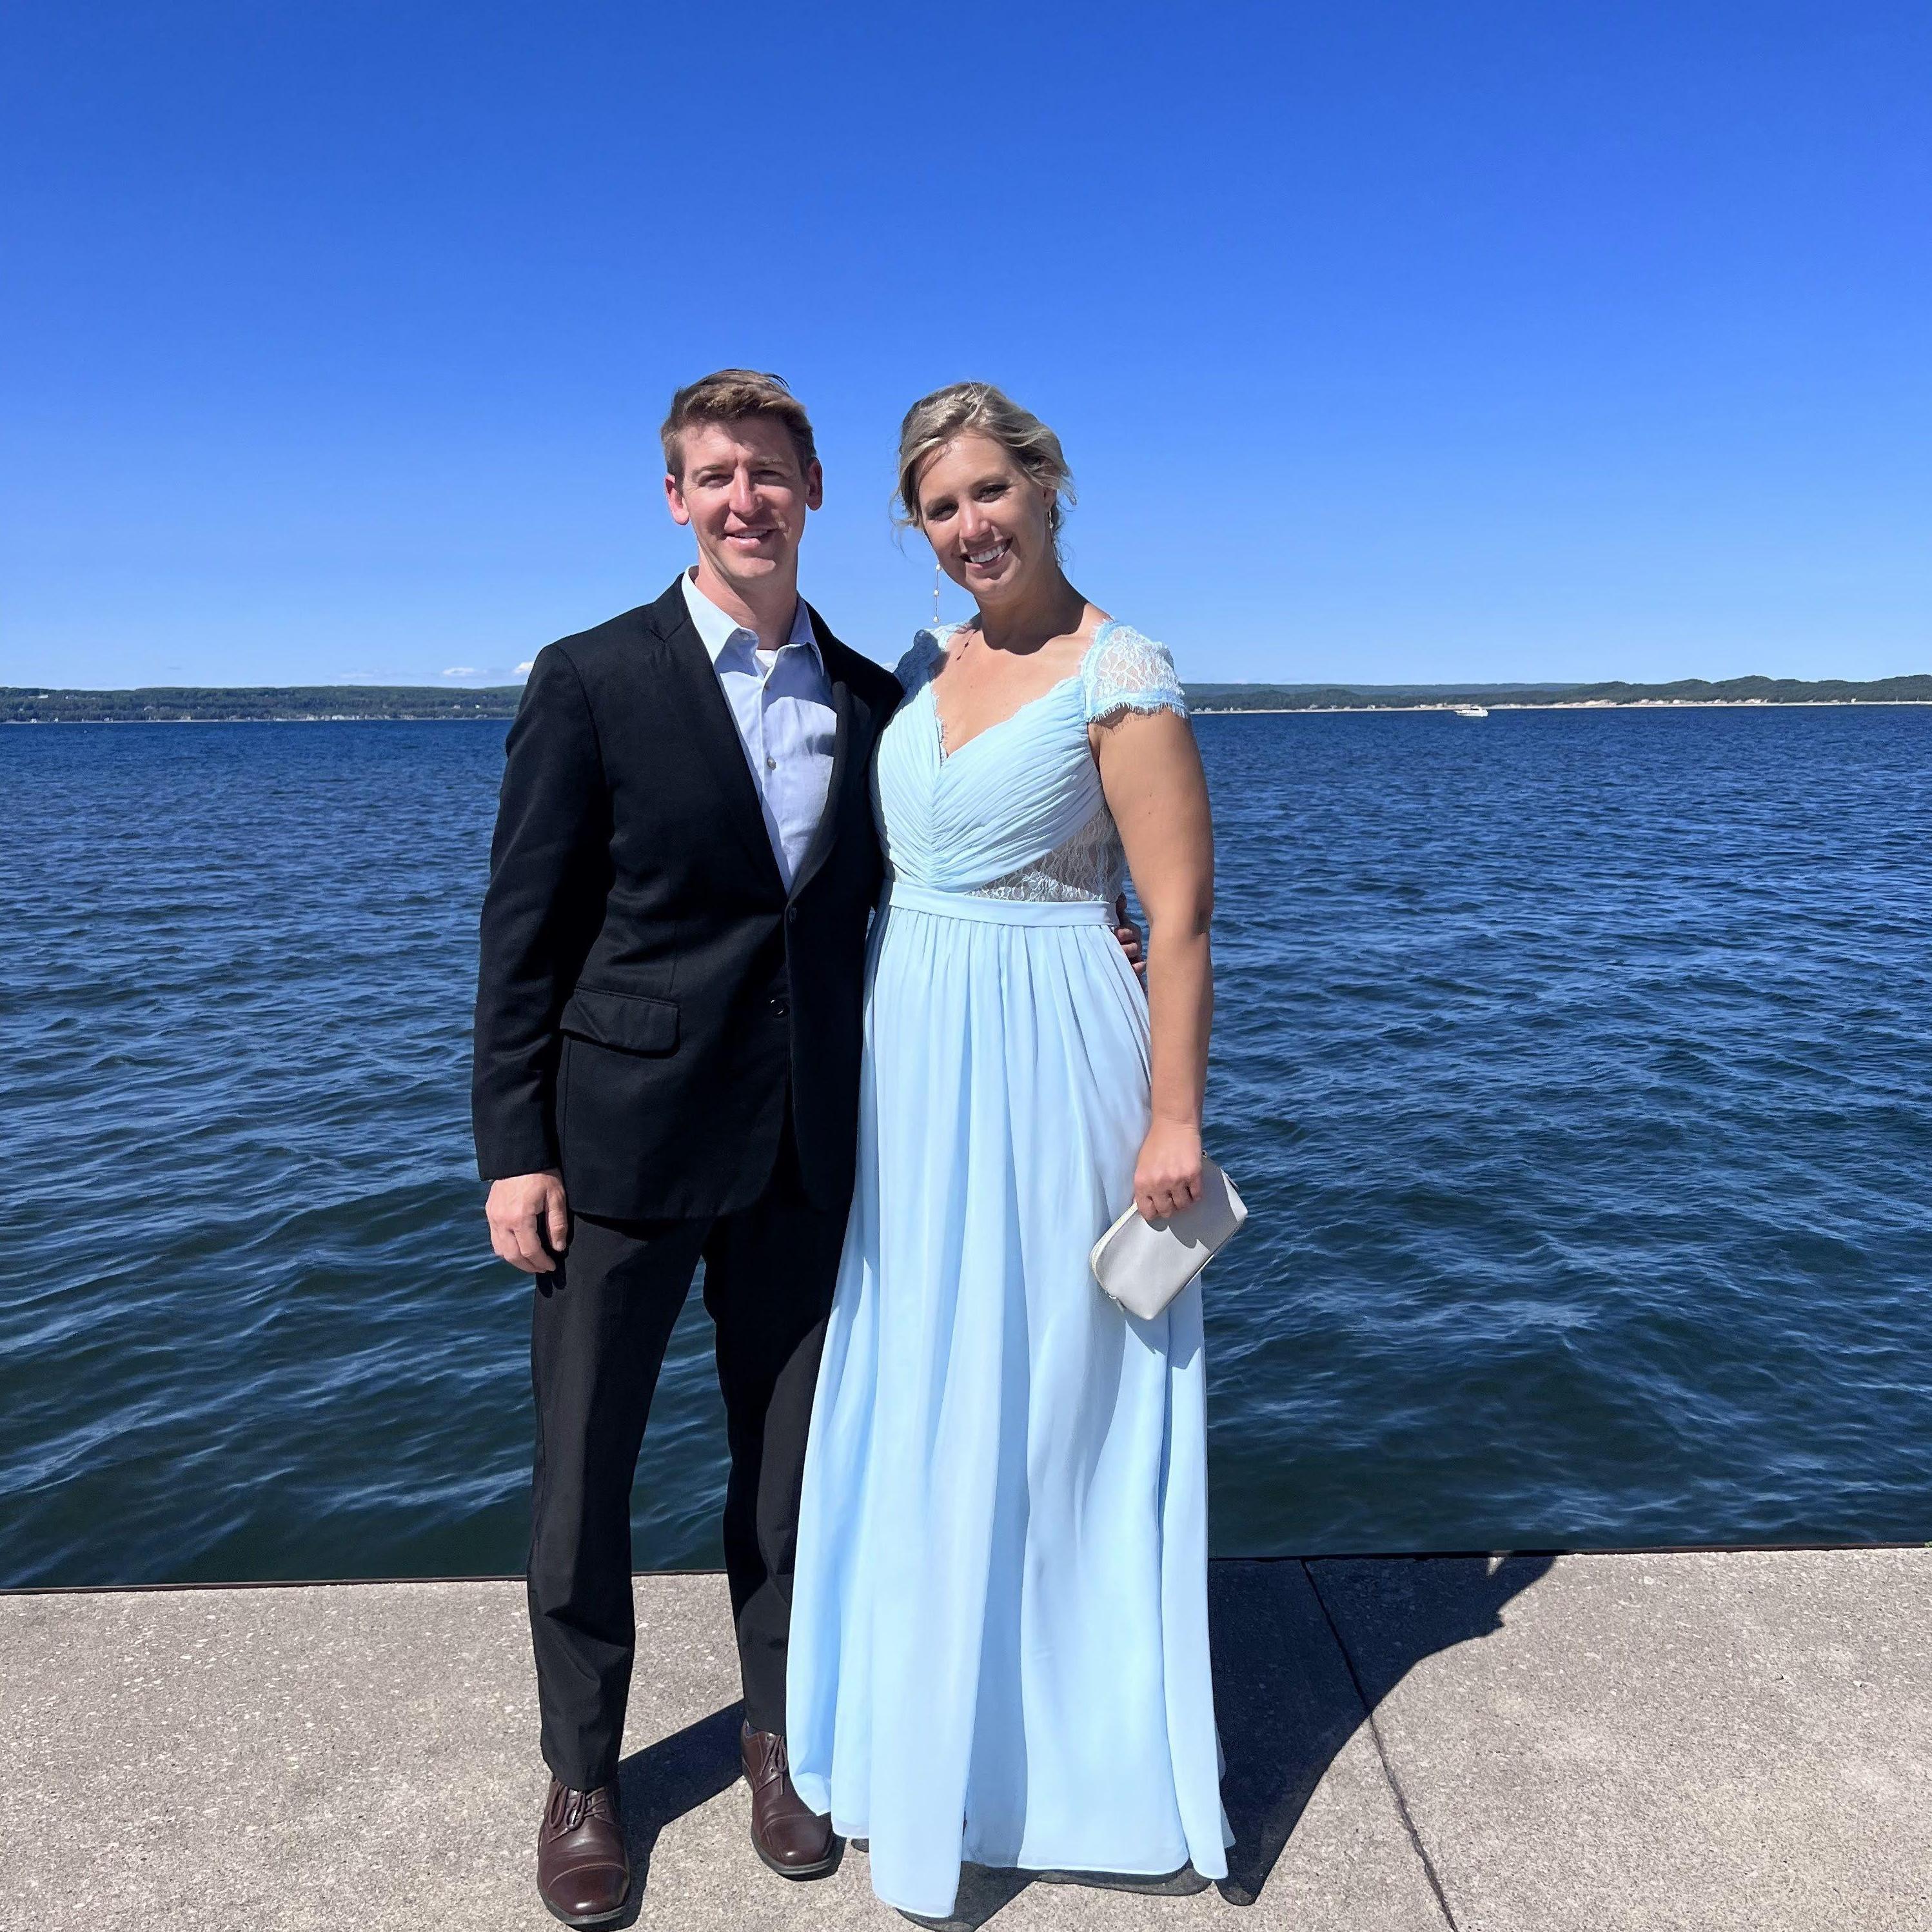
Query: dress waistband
(998, 911)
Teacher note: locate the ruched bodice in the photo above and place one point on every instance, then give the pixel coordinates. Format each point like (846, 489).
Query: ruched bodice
(1017, 811)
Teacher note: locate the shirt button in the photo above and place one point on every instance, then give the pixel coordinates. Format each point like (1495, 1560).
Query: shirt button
(771, 763)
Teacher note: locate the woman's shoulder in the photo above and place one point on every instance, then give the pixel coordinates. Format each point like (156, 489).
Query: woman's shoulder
(1125, 670)
(928, 646)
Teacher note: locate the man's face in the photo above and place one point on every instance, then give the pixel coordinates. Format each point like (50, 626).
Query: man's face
(744, 498)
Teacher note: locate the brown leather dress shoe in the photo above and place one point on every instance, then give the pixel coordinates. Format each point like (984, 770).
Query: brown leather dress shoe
(795, 1842)
(583, 1872)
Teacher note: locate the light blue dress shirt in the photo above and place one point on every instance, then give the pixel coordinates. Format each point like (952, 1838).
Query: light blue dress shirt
(781, 701)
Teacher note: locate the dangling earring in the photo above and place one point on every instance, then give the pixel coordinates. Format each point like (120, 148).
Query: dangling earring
(936, 575)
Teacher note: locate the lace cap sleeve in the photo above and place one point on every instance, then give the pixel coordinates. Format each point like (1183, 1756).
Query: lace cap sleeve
(1125, 671)
(913, 669)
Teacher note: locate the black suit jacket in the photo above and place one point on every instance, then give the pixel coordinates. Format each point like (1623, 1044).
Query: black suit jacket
(650, 998)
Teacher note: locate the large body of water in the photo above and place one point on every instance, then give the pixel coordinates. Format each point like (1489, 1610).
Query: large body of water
(1577, 1068)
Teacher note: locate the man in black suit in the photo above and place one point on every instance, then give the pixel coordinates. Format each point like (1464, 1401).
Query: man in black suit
(667, 1069)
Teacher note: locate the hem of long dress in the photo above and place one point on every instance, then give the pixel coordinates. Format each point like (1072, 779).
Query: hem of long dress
(1101, 1871)
(931, 1910)
(1042, 1863)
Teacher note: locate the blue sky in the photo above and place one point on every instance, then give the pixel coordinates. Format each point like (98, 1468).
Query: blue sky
(1388, 342)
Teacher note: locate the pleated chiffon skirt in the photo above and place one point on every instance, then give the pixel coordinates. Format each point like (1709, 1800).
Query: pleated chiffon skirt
(999, 1635)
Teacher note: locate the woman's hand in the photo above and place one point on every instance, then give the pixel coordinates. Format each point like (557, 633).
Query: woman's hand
(1129, 934)
(1167, 1176)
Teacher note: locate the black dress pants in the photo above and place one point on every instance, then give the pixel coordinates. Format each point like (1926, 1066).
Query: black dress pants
(601, 1323)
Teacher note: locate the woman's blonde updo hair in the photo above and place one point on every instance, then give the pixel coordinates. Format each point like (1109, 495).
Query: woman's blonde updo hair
(934, 420)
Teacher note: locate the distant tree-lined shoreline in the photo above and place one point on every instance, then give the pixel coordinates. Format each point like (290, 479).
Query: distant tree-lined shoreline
(304, 703)
(325, 704)
(1911, 690)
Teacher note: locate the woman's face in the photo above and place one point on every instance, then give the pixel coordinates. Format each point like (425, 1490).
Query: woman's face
(985, 518)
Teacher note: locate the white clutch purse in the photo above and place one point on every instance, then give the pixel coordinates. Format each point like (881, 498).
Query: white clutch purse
(1143, 1264)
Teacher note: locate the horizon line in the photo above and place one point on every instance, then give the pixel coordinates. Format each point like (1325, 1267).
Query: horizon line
(451, 689)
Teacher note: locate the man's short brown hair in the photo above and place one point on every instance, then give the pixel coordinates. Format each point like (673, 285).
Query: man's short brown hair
(730, 395)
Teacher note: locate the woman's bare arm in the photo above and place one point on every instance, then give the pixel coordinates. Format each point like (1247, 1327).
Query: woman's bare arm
(1150, 772)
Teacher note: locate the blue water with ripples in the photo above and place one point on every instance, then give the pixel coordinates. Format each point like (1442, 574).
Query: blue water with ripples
(1576, 1066)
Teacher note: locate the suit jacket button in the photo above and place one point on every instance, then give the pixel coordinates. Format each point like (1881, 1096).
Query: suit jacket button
(780, 1006)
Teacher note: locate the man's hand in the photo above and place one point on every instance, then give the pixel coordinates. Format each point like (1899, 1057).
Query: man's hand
(1129, 934)
(523, 1209)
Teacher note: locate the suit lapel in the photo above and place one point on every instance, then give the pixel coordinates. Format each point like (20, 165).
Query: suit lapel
(691, 684)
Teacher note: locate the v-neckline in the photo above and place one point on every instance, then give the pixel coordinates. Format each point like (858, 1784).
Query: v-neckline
(948, 753)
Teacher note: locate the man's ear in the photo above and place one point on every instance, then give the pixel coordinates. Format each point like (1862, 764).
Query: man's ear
(680, 510)
(814, 486)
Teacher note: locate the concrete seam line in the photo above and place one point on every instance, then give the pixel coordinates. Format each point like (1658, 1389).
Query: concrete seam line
(1318, 1556)
(1396, 1791)
(296, 1583)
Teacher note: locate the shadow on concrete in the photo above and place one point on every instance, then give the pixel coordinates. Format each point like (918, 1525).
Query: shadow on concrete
(983, 1891)
(663, 1781)
(658, 1785)
(1303, 1652)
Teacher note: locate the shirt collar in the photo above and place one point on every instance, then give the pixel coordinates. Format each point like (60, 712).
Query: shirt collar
(718, 632)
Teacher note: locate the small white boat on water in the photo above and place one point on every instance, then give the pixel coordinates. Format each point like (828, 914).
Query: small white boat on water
(1472, 711)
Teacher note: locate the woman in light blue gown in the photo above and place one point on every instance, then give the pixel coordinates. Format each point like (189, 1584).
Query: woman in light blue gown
(999, 1632)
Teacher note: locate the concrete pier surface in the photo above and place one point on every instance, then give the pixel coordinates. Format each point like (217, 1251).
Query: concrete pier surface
(1578, 1744)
